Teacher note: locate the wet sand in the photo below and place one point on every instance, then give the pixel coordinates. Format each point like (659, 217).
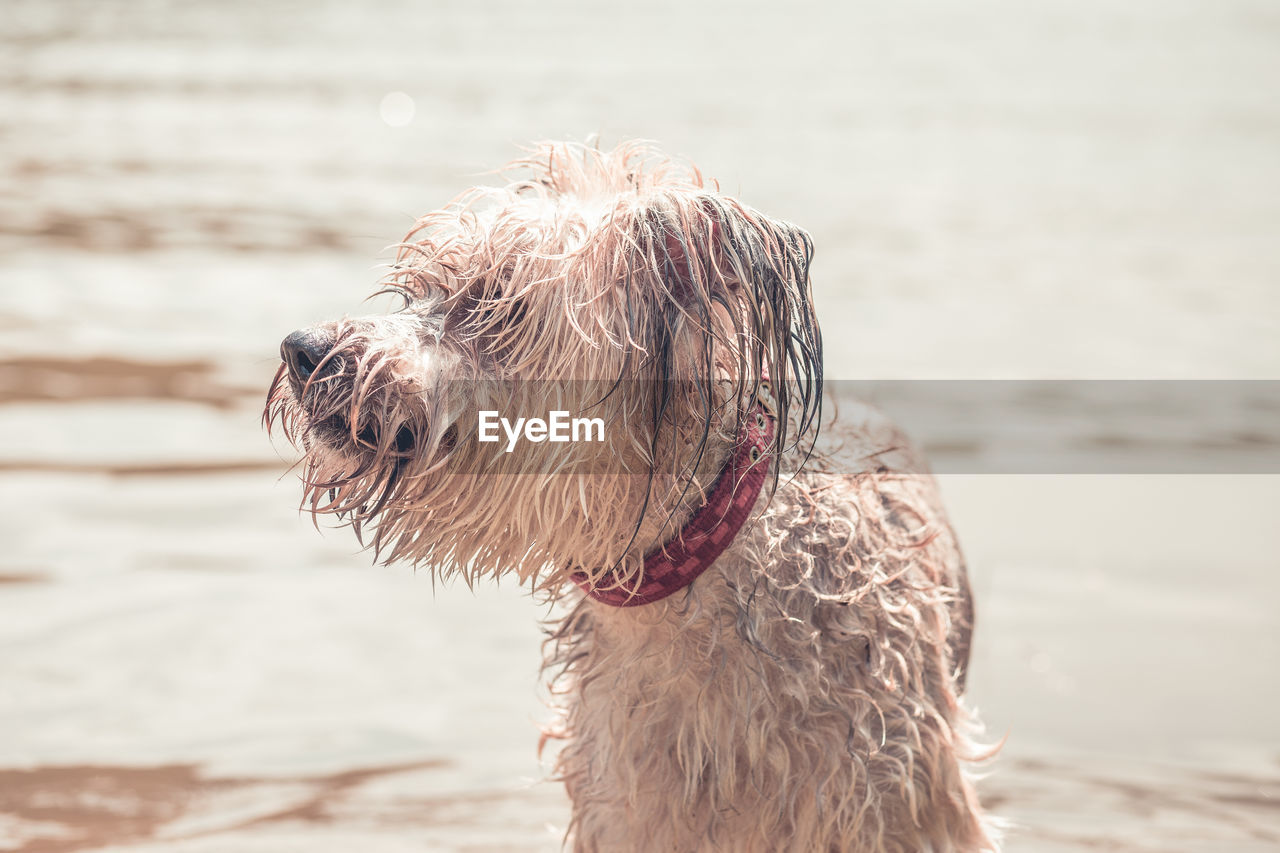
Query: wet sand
(1064, 191)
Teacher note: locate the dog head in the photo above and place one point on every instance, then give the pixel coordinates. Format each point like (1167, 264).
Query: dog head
(617, 285)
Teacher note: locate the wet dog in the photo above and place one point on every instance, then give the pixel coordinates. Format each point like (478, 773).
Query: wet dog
(763, 645)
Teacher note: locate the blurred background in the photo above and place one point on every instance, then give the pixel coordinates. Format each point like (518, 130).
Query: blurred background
(996, 189)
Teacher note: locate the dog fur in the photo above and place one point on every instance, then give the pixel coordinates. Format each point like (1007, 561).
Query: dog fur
(804, 692)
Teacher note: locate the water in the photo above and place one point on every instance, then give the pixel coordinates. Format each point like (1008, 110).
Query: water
(999, 190)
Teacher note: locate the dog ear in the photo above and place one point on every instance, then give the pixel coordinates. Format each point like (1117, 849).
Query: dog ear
(705, 252)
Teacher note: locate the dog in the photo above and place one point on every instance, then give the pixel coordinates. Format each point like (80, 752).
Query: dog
(761, 646)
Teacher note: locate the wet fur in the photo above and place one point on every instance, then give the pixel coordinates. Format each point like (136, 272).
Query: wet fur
(803, 694)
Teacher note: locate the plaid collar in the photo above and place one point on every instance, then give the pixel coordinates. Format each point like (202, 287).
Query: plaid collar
(674, 565)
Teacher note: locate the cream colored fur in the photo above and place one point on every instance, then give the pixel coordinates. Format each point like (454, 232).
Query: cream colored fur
(801, 697)
(804, 693)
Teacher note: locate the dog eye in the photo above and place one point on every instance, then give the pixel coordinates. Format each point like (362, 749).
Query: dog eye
(493, 315)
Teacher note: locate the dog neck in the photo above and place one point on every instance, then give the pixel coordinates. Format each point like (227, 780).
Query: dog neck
(678, 562)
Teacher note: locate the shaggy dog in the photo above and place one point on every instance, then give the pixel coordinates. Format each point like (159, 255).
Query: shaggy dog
(763, 642)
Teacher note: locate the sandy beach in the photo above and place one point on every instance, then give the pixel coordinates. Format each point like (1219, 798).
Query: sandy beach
(996, 191)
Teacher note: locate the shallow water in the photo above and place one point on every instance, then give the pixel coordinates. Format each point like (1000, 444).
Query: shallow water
(1064, 190)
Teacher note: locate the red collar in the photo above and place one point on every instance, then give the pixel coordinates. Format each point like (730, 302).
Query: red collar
(678, 563)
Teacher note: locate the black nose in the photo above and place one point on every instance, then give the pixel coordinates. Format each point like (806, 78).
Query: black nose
(303, 351)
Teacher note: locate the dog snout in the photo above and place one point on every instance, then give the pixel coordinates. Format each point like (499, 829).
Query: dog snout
(303, 352)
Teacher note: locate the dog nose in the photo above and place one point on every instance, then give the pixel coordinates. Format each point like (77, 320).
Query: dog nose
(303, 351)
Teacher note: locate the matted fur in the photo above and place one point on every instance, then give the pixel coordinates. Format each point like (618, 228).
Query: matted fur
(803, 694)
